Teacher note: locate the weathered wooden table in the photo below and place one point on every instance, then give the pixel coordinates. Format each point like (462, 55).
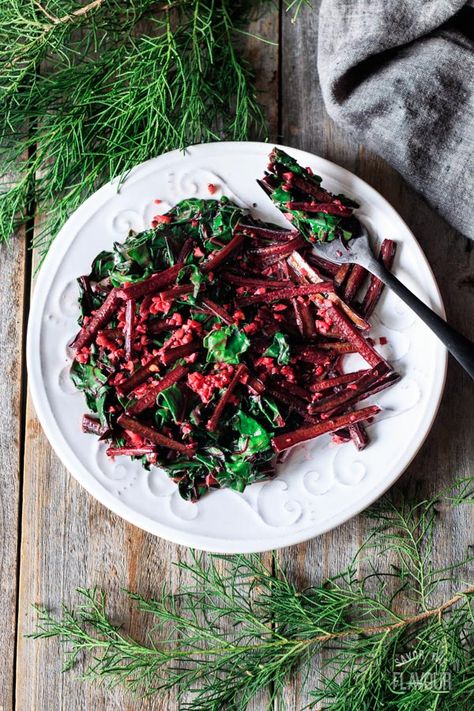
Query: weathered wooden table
(54, 536)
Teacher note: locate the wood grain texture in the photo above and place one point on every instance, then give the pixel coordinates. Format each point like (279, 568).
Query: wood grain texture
(70, 540)
(12, 284)
(448, 452)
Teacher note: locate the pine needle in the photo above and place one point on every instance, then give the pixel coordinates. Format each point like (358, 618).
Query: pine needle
(89, 91)
(240, 629)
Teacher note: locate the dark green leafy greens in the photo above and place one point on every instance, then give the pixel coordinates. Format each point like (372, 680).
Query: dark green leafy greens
(189, 366)
(316, 213)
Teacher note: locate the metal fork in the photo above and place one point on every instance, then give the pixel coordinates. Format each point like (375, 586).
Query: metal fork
(359, 251)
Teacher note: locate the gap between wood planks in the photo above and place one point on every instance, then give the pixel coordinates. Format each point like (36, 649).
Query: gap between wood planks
(27, 285)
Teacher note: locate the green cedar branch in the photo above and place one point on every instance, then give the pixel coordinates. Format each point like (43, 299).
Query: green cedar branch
(89, 91)
(240, 629)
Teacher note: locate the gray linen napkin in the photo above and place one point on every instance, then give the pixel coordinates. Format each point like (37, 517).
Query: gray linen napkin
(399, 74)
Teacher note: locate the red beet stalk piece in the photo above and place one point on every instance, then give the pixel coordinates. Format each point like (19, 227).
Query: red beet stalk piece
(362, 346)
(217, 310)
(151, 285)
(185, 250)
(223, 253)
(337, 381)
(173, 354)
(267, 233)
(288, 399)
(323, 264)
(280, 250)
(375, 288)
(290, 439)
(101, 317)
(139, 376)
(341, 274)
(354, 282)
(149, 398)
(160, 325)
(337, 346)
(328, 208)
(114, 334)
(359, 436)
(357, 387)
(216, 415)
(129, 327)
(130, 451)
(91, 425)
(176, 291)
(287, 293)
(251, 283)
(149, 433)
(312, 354)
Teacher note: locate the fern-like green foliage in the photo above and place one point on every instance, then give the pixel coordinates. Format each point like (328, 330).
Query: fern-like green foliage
(241, 629)
(88, 90)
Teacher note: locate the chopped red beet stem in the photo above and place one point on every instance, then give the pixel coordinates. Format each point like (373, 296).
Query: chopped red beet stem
(149, 433)
(341, 274)
(92, 425)
(287, 293)
(362, 384)
(130, 451)
(139, 376)
(361, 345)
(149, 398)
(250, 282)
(217, 310)
(101, 317)
(289, 399)
(186, 250)
(337, 346)
(359, 436)
(290, 439)
(216, 415)
(176, 291)
(129, 327)
(159, 325)
(267, 233)
(152, 285)
(224, 253)
(302, 269)
(335, 382)
(324, 264)
(354, 282)
(375, 288)
(328, 208)
(173, 354)
(115, 334)
(279, 250)
(361, 323)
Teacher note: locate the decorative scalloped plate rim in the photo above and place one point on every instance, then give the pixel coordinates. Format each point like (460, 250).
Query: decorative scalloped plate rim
(186, 531)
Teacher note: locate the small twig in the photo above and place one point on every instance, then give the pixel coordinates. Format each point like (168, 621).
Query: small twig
(396, 625)
(77, 13)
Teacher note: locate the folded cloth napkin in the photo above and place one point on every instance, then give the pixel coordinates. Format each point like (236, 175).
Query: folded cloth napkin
(399, 74)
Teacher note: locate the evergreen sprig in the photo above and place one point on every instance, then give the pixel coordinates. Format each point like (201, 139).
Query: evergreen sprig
(241, 629)
(90, 90)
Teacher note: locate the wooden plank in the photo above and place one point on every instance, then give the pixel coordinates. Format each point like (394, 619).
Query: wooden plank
(449, 450)
(70, 540)
(12, 326)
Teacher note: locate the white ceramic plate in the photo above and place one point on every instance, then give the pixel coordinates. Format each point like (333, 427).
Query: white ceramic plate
(320, 485)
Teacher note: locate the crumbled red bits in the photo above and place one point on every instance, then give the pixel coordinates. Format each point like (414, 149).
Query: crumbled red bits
(206, 385)
(161, 219)
(212, 188)
(83, 355)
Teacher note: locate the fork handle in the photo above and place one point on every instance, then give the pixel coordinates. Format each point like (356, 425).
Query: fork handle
(460, 347)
